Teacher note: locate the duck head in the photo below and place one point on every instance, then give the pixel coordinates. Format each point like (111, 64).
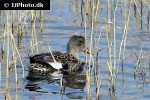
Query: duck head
(75, 45)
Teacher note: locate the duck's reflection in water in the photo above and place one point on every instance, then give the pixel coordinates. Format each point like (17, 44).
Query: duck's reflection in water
(74, 80)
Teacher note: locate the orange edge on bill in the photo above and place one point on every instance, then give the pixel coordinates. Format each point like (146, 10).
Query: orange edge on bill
(88, 52)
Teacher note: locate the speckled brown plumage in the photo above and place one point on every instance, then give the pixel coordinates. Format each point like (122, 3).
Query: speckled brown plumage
(64, 58)
(69, 60)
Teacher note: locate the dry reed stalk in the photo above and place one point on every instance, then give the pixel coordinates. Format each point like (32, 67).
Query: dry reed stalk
(108, 41)
(115, 37)
(2, 49)
(96, 69)
(91, 42)
(87, 71)
(31, 46)
(88, 88)
(8, 51)
(99, 37)
(25, 13)
(114, 67)
(135, 2)
(10, 39)
(138, 61)
(85, 28)
(82, 14)
(41, 21)
(138, 18)
(14, 59)
(124, 37)
(61, 86)
(98, 83)
(148, 17)
(85, 38)
(19, 20)
(41, 14)
(1, 14)
(16, 94)
(34, 37)
(97, 79)
(96, 10)
(88, 5)
(33, 41)
(7, 96)
(61, 81)
(121, 5)
(110, 70)
(92, 33)
(12, 22)
(126, 29)
(141, 12)
(108, 33)
(91, 11)
(18, 54)
(13, 48)
(52, 55)
(41, 26)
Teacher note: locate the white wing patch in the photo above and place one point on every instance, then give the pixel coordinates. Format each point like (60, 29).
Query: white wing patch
(56, 65)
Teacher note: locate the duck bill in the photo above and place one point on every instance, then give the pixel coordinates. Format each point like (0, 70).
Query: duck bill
(87, 51)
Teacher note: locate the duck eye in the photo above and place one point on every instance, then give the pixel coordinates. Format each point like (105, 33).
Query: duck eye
(81, 41)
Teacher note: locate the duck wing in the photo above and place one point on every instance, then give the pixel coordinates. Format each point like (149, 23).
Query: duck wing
(45, 58)
(64, 60)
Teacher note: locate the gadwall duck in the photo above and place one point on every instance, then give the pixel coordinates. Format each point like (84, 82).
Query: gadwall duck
(56, 60)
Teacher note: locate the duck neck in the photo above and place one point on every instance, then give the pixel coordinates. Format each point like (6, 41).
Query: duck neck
(75, 54)
(73, 51)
